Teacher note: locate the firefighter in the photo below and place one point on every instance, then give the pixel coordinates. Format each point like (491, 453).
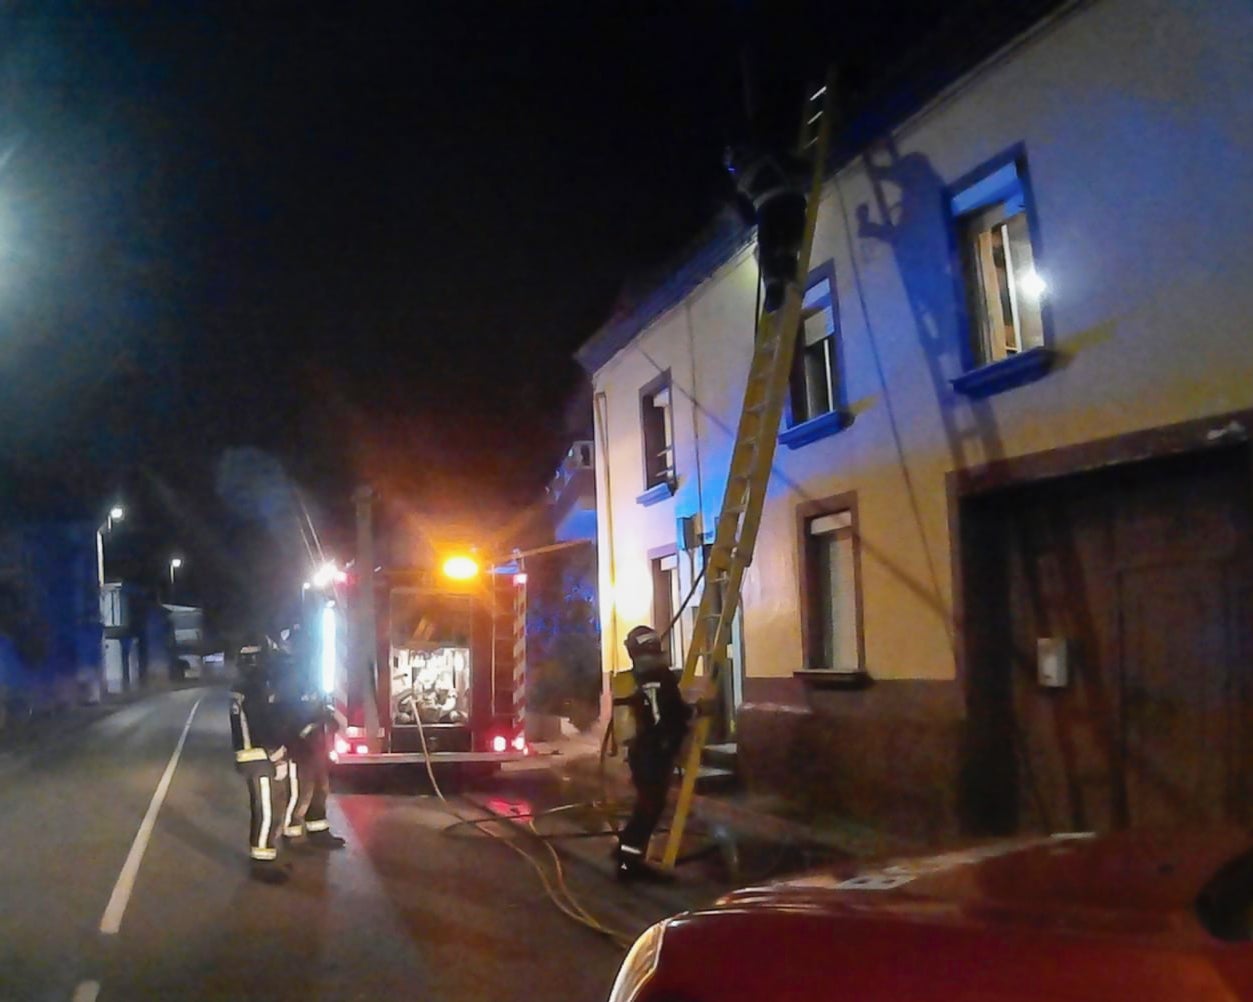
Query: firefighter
(261, 757)
(781, 49)
(661, 720)
(311, 725)
(775, 184)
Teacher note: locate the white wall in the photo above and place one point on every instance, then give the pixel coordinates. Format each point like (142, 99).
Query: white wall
(1137, 124)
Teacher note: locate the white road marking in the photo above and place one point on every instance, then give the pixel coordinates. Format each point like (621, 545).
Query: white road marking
(86, 992)
(111, 922)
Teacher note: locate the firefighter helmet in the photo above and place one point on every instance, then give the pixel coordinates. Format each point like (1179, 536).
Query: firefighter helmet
(643, 640)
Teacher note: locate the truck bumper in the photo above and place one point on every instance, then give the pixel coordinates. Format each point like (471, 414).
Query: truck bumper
(436, 758)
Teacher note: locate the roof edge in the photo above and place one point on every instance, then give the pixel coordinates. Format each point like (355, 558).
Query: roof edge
(885, 110)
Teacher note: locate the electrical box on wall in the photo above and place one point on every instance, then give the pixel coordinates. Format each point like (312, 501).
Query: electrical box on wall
(688, 534)
(1052, 663)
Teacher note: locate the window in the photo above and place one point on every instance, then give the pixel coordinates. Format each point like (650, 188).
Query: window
(832, 597)
(1003, 288)
(664, 572)
(658, 430)
(814, 369)
(816, 394)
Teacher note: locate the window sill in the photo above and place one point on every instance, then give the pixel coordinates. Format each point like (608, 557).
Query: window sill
(1006, 374)
(659, 492)
(829, 678)
(814, 429)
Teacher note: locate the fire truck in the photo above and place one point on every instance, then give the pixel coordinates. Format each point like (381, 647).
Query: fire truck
(422, 663)
(442, 680)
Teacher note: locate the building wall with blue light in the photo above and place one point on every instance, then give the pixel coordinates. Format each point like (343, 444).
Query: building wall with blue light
(1133, 121)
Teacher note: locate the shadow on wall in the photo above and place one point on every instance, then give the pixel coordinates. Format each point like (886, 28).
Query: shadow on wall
(915, 227)
(963, 757)
(911, 205)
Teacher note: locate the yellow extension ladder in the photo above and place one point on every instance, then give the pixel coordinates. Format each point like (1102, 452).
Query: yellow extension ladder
(751, 460)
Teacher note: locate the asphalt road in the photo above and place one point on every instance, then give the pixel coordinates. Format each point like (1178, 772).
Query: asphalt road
(407, 911)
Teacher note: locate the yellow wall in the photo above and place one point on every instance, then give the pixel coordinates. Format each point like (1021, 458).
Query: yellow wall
(1138, 131)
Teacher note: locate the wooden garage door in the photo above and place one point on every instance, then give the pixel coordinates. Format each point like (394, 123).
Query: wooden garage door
(1177, 677)
(1144, 570)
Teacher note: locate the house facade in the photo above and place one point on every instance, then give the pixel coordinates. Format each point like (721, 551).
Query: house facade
(50, 630)
(1003, 575)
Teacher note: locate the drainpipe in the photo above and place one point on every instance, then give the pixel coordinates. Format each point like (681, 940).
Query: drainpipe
(695, 401)
(601, 414)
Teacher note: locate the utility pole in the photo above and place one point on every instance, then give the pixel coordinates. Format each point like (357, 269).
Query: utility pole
(365, 626)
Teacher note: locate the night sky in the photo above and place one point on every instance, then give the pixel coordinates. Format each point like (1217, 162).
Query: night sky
(363, 239)
(330, 235)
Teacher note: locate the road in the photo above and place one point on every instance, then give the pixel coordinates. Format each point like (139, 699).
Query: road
(407, 911)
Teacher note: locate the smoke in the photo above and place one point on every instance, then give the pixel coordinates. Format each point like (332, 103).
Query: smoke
(255, 487)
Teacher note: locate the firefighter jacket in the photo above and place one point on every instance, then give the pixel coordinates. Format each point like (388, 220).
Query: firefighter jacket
(658, 706)
(312, 717)
(258, 731)
(304, 711)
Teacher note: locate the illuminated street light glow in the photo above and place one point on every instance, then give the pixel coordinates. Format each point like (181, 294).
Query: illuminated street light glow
(1032, 284)
(176, 562)
(460, 568)
(117, 513)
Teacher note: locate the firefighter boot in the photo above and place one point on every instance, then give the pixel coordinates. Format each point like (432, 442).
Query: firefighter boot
(298, 843)
(325, 840)
(632, 868)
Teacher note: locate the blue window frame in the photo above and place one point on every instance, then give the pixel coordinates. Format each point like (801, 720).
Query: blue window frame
(816, 405)
(1003, 286)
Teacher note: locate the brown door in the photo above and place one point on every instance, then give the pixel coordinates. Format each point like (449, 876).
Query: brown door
(1144, 571)
(1177, 669)
(1061, 586)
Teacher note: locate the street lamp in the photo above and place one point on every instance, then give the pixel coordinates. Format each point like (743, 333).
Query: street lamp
(110, 614)
(116, 514)
(175, 564)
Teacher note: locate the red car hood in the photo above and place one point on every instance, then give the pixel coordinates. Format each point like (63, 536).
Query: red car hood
(1131, 883)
